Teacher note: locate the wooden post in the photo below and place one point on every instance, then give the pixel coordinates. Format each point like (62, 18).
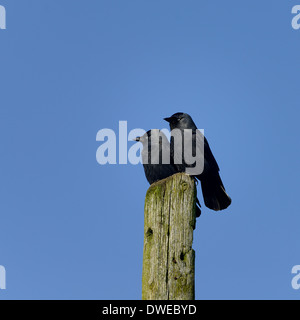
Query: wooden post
(169, 260)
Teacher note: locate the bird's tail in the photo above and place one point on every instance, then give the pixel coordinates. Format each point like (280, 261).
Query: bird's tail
(198, 210)
(214, 194)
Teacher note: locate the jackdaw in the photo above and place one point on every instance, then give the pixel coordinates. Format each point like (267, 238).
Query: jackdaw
(213, 190)
(157, 160)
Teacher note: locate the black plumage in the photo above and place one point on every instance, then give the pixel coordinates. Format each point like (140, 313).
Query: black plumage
(157, 160)
(213, 190)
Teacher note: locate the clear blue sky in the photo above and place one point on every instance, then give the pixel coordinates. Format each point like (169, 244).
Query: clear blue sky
(72, 229)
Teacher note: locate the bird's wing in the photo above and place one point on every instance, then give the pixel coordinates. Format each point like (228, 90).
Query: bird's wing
(209, 159)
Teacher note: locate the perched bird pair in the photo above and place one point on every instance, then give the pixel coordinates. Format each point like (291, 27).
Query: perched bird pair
(158, 160)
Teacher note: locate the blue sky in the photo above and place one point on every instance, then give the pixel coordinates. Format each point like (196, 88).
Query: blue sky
(73, 229)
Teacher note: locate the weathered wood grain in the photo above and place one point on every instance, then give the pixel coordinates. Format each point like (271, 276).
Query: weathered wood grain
(169, 260)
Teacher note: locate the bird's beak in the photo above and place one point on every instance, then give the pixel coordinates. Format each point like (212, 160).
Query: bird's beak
(168, 119)
(137, 139)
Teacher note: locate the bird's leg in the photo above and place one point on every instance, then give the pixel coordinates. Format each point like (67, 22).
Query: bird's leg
(196, 180)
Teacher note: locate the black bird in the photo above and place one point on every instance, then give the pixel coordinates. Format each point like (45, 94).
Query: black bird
(157, 160)
(213, 190)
